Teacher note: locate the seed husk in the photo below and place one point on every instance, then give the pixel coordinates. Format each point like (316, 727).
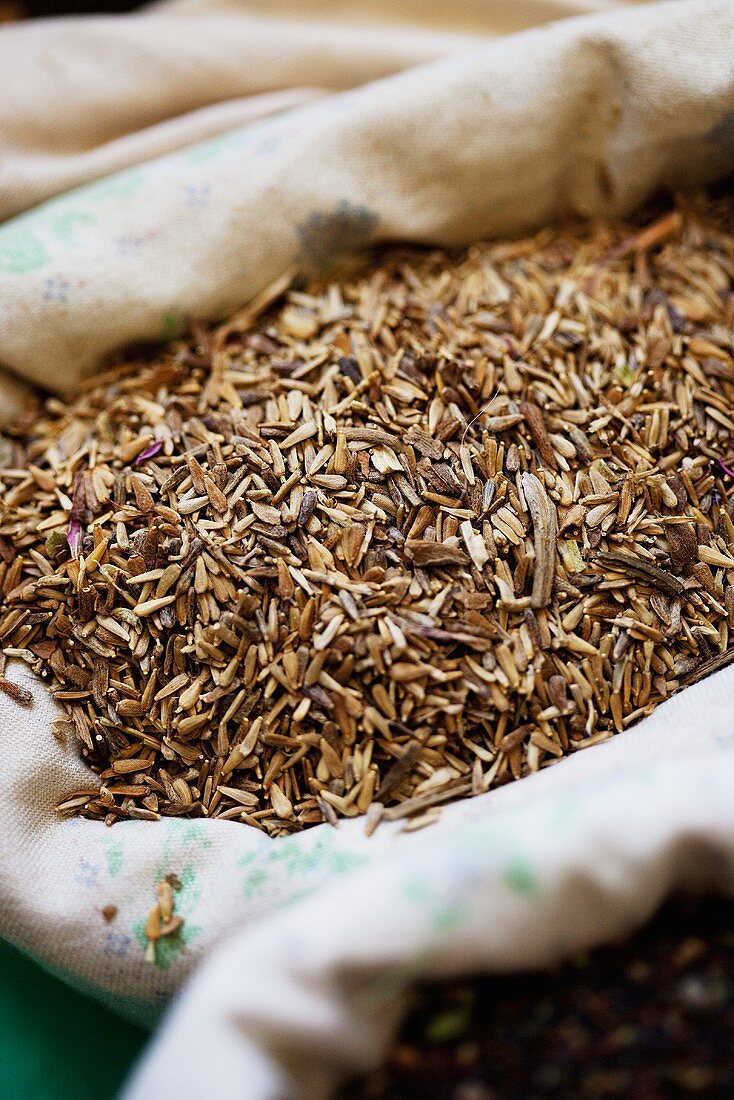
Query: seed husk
(646, 571)
(545, 527)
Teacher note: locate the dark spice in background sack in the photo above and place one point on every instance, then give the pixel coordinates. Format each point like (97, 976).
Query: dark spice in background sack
(378, 544)
(651, 1018)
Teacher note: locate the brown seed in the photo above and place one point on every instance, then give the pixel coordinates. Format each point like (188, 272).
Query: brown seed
(217, 499)
(143, 497)
(646, 571)
(433, 554)
(15, 692)
(536, 423)
(683, 543)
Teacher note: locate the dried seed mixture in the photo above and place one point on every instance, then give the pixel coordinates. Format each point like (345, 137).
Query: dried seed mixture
(378, 544)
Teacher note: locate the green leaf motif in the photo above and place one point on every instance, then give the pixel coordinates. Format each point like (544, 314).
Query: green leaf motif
(114, 855)
(186, 900)
(254, 882)
(519, 875)
(66, 223)
(295, 866)
(167, 948)
(206, 150)
(119, 186)
(173, 324)
(443, 911)
(20, 250)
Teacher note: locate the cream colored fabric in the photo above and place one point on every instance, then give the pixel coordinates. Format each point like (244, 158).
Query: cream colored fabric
(496, 137)
(165, 78)
(350, 125)
(485, 17)
(147, 84)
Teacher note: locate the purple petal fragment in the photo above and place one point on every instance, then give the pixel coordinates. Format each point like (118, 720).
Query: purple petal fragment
(149, 452)
(74, 538)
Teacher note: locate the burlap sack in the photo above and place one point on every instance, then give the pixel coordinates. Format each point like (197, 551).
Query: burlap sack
(498, 137)
(586, 115)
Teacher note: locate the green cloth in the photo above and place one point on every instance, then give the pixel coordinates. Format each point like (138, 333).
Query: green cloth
(56, 1044)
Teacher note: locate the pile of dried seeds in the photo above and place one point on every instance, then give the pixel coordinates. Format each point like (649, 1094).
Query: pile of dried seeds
(378, 544)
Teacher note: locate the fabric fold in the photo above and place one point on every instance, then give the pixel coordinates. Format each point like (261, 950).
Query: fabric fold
(584, 116)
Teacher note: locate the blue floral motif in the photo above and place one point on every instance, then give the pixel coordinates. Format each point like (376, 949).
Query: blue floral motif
(267, 145)
(56, 289)
(128, 245)
(117, 944)
(88, 873)
(260, 138)
(197, 196)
